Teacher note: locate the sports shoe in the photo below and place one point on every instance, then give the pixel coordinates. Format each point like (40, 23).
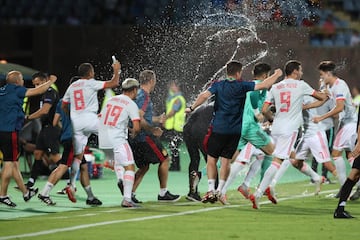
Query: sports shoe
(342, 214)
(93, 202)
(70, 193)
(356, 194)
(317, 186)
(223, 199)
(121, 186)
(209, 197)
(6, 200)
(168, 197)
(271, 195)
(28, 185)
(32, 192)
(47, 200)
(134, 199)
(129, 204)
(244, 191)
(62, 191)
(255, 201)
(195, 197)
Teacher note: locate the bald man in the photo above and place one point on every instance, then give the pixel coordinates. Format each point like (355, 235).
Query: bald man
(12, 94)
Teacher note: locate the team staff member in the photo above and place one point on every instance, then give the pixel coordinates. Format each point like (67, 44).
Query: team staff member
(12, 95)
(174, 123)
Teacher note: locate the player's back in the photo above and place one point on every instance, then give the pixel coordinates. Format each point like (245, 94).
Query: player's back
(288, 99)
(82, 95)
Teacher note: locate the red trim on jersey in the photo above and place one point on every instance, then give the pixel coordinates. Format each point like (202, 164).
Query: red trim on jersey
(135, 119)
(324, 146)
(268, 102)
(155, 148)
(15, 147)
(146, 102)
(293, 138)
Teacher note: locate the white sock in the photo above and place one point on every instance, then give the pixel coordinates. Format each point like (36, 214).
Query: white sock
(221, 185)
(119, 171)
(162, 192)
(308, 171)
(89, 192)
(128, 181)
(211, 185)
(47, 188)
(268, 176)
(253, 170)
(284, 166)
(235, 169)
(340, 169)
(74, 171)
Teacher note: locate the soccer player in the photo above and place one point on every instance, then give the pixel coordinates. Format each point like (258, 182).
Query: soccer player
(346, 134)
(351, 180)
(230, 97)
(12, 94)
(287, 96)
(252, 133)
(146, 146)
(113, 134)
(82, 97)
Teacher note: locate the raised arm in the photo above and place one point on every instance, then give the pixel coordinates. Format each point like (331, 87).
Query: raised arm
(202, 97)
(114, 82)
(268, 82)
(42, 88)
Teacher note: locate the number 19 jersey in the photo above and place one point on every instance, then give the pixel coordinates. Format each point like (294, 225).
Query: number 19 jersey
(114, 119)
(288, 96)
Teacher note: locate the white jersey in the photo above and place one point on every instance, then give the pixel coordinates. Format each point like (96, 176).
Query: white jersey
(311, 128)
(341, 91)
(325, 108)
(114, 119)
(82, 96)
(288, 96)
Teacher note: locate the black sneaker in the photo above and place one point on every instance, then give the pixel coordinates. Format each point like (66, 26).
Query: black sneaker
(195, 197)
(121, 186)
(32, 192)
(342, 214)
(134, 199)
(93, 202)
(47, 200)
(168, 197)
(6, 200)
(28, 185)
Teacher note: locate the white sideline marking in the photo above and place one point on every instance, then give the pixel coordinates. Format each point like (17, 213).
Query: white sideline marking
(149, 218)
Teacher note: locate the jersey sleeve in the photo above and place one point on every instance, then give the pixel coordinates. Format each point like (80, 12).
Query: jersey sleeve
(21, 91)
(66, 97)
(254, 99)
(339, 92)
(306, 89)
(269, 99)
(98, 85)
(134, 112)
(50, 96)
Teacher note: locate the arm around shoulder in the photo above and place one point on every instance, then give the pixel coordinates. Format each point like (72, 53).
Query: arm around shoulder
(268, 82)
(42, 88)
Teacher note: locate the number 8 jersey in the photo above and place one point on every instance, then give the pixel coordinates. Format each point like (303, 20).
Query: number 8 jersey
(288, 96)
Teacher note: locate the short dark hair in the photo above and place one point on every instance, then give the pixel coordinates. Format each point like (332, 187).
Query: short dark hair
(84, 69)
(233, 67)
(43, 76)
(291, 66)
(146, 76)
(261, 68)
(327, 66)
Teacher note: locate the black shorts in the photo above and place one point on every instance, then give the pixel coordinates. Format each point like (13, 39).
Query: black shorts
(48, 140)
(150, 151)
(222, 145)
(9, 146)
(67, 157)
(356, 163)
